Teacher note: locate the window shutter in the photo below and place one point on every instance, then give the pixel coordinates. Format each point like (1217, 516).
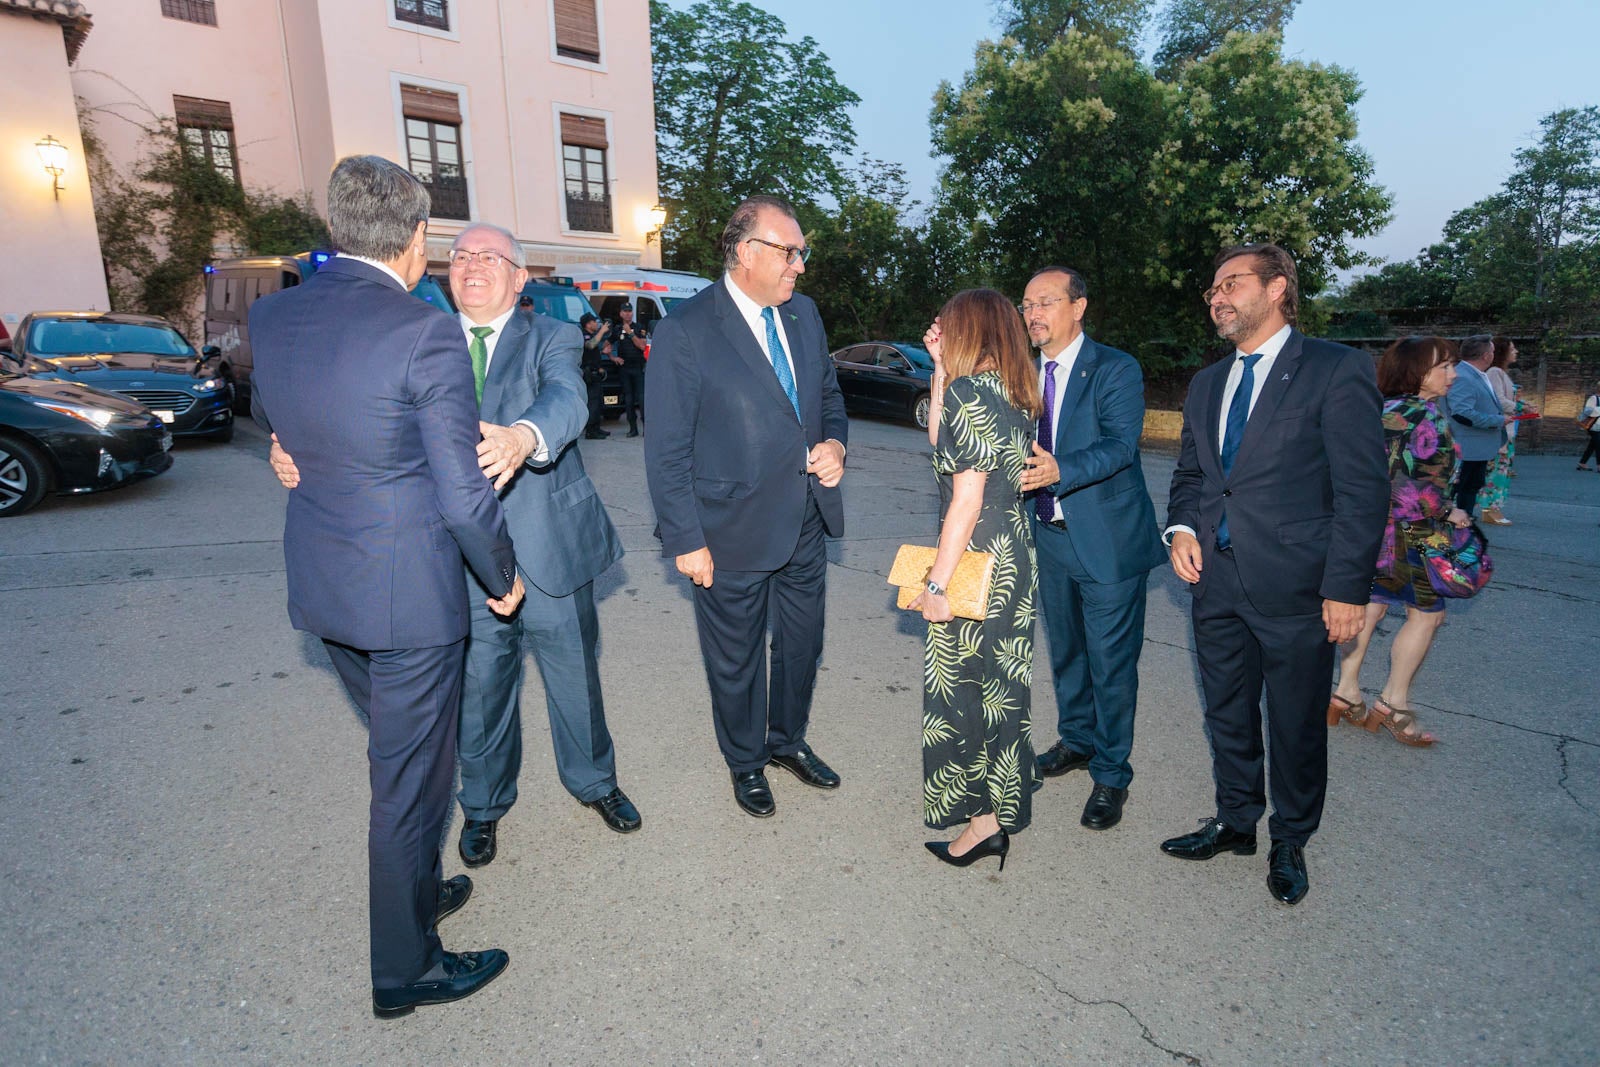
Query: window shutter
(433, 105)
(582, 130)
(195, 111)
(577, 30)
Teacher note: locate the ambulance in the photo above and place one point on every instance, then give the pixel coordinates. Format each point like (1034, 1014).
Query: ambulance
(651, 293)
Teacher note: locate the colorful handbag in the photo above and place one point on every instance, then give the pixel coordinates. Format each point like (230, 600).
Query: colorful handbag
(1457, 560)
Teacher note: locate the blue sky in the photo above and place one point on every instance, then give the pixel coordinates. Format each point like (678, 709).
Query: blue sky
(1452, 88)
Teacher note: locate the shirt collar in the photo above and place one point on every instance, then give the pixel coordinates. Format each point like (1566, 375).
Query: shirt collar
(375, 263)
(1067, 355)
(1270, 347)
(498, 322)
(741, 299)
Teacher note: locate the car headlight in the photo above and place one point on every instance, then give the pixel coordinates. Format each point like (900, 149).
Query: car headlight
(210, 385)
(99, 418)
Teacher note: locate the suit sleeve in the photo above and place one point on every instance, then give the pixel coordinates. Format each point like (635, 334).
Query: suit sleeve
(561, 404)
(835, 423)
(1119, 411)
(1352, 435)
(1183, 497)
(1467, 406)
(440, 383)
(672, 396)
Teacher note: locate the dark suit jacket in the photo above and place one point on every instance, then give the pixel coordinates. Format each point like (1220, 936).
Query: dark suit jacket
(563, 535)
(724, 453)
(1104, 501)
(370, 390)
(1309, 493)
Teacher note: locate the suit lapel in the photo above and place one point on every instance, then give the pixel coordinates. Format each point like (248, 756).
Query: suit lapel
(1213, 421)
(506, 350)
(1078, 384)
(1281, 377)
(804, 369)
(738, 334)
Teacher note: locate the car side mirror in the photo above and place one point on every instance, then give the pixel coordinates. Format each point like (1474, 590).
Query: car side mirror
(210, 351)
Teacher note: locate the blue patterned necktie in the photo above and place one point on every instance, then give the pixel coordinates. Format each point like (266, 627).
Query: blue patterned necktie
(1238, 415)
(780, 364)
(1044, 502)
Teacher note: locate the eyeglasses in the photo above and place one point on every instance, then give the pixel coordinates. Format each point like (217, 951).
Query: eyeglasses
(460, 257)
(790, 252)
(1028, 307)
(1227, 285)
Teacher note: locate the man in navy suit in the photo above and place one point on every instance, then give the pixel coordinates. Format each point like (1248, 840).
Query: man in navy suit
(531, 409)
(1476, 419)
(369, 388)
(1278, 503)
(1095, 533)
(744, 457)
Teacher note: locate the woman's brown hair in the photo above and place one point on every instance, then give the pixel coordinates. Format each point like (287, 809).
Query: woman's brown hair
(1502, 352)
(982, 331)
(1405, 363)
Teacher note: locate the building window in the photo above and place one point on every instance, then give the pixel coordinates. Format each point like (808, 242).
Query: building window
(206, 129)
(583, 164)
(433, 148)
(577, 30)
(435, 14)
(202, 11)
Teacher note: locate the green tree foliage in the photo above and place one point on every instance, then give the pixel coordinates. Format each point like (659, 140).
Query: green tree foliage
(282, 226)
(740, 110)
(1080, 154)
(1192, 29)
(1034, 24)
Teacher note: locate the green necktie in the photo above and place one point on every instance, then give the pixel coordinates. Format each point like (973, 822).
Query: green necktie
(480, 357)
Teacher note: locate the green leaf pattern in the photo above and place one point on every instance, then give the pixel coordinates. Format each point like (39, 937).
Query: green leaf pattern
(977, 749)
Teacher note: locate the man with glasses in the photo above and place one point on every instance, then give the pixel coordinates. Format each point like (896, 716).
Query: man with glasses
(1278, 502)
(744, 457)
(1096, 537)
(532, 406)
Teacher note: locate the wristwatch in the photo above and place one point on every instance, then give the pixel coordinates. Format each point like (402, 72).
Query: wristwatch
(935, 588)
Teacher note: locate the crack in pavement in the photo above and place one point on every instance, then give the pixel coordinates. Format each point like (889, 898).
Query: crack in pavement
(1561, 754)
(1144, 1031)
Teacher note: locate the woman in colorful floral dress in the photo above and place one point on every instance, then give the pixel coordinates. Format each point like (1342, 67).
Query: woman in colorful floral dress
(1492, 496)
(1412, 374)
(977, 754)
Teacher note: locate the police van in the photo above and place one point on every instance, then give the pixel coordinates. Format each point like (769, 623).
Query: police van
(651, 293)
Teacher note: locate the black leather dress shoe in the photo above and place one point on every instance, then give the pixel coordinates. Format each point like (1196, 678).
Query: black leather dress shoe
(595, 435)
(633, 433)
(617, 811)
(477, 841)
(464, 973)
(1058, 760)
(1214, 836)
(753, 793)
(1104, 809)
(1286, 872)
(805, 766)
(453, 892)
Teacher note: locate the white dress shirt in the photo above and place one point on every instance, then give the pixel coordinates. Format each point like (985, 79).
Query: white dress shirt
(541, 454)
(1065, 361)
(374, 263)
(758, 326)
(1259, 373)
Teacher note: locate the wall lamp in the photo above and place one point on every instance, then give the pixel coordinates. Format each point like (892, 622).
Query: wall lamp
(53, 157)
(657, 217)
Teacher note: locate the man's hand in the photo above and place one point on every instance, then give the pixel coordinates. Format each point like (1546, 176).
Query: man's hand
(507, 605)
(503, 451)
(1042, 470)
(1344, 621)
(283, 465)
(1185, 555)
(617, 360)
(826, 461)
(697, 565)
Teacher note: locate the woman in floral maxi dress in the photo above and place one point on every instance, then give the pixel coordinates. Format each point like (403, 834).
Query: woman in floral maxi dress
(977, 753)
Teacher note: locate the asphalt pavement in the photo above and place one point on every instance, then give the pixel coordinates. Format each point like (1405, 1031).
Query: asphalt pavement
(184, 793)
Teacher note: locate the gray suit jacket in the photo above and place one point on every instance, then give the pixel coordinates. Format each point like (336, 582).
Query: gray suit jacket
(1476, 420)
(563, 536)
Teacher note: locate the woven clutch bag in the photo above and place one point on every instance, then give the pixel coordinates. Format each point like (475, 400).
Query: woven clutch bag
(968, 591)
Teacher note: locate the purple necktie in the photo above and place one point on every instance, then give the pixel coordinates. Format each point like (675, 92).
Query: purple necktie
(1044, 502)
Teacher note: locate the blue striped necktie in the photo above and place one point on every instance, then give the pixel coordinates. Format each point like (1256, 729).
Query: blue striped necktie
(780, 363)
(1238, 415)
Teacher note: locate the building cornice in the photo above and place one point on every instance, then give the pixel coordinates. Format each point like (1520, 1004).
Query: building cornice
(70, 15)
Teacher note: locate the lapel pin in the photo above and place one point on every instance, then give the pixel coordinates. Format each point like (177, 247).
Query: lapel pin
(1285, 375)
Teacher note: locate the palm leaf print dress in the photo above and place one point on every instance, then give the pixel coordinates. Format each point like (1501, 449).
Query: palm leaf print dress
(977, 751)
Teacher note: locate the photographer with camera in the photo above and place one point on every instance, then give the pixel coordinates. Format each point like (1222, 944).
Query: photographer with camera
(597, 348)
(629, 341)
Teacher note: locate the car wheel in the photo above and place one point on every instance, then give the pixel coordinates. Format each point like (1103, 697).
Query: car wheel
(919, 410)
(24, 478)
(241, 395)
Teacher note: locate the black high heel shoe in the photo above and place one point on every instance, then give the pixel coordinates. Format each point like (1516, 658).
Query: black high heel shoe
(998, 845)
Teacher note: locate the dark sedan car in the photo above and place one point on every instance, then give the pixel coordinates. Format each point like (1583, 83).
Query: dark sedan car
(139, 356)
(62, 437)
(883, 378)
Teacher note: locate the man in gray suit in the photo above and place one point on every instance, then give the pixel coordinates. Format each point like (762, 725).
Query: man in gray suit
(1476, 420)
(532, 407)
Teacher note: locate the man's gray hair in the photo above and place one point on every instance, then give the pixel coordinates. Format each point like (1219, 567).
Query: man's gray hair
(513, 245)
(1476, 347)
(742, 224)
(374, 206)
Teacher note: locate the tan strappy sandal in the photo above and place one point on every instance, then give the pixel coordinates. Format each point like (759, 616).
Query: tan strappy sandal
(1355, 714)
(1401, 723)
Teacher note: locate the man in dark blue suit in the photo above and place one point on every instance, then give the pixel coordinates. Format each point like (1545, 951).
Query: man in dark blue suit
(1096, 537)
(1278, 503)
(369, 388)
(744, 457)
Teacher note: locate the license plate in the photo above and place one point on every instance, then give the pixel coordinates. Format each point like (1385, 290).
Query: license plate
(613, 399)
(164, 416)
(166, 441)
